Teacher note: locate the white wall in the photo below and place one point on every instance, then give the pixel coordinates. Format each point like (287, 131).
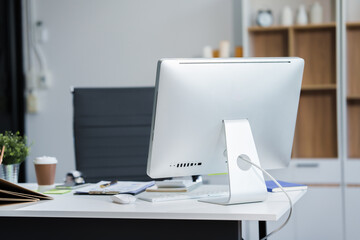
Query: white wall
(113, 43)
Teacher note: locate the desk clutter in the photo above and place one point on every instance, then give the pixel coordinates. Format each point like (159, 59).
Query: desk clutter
(123, 191)
(136, 187)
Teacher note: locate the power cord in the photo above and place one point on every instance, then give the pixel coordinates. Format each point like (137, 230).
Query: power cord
(282, 189)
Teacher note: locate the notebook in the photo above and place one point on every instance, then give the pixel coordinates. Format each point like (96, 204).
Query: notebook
(13, 193)
(272, 187)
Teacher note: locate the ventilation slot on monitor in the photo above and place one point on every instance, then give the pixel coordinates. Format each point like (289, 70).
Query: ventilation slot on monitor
(180, 165)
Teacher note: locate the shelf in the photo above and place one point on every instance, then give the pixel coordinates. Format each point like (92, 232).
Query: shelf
(318, 87)
(318, 48)
(353, 24)
(270, 43)
(314, 26)
(353, 98)
(295, 27)
(353, 88)
(353, 110)
(353, 61)
(266, 29)
(316, 127)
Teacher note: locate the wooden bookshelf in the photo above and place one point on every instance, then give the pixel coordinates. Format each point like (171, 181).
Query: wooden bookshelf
(268, 42)
(353, 88)
(318, 47)
(353, 109)
(307, 26)
(316, 128)
(316, 132)
(353, 98)
(318, 87)
(331, 25)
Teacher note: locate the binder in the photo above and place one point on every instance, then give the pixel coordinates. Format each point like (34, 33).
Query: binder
(272, 187)
(13, 193)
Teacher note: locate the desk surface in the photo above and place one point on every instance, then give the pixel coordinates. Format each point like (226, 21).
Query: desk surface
(87, 206)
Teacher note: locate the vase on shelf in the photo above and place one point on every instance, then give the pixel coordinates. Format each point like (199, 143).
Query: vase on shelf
(10, 172)
(316, 13)
(286, 16)
(302, 18)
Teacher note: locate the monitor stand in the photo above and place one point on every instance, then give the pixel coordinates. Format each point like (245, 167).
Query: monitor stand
(246, 183)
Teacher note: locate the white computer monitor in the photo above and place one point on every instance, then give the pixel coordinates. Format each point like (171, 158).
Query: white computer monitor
(256, 98)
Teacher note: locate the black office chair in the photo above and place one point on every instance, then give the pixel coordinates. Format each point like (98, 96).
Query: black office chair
(112, 132)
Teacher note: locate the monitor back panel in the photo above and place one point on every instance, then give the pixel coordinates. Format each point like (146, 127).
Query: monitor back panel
(194, 96)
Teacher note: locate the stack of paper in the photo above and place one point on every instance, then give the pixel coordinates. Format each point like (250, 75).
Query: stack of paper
(117, 188)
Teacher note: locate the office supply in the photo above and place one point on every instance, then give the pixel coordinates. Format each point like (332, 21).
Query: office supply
(108, 184)
(74, 178)
(72, 187)
(13, 193)
(119, 187)
(272, 187)
(205, 191)
(200, 219)
(123, 198)
(2, 154)
(174, 186)
(210, 113)
(57, 191)
(117, 121)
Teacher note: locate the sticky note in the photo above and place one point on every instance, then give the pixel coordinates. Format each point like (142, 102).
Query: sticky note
(57, 191)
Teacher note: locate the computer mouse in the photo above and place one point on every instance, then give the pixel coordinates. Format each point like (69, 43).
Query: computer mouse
(123, 198)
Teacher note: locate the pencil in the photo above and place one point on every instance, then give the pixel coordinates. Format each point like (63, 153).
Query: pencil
(2, 154)
(108, 184)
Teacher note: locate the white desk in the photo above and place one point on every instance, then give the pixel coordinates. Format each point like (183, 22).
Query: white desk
(70, 210)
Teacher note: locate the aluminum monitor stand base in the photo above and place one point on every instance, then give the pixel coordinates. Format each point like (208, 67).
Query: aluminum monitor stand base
(246, 183)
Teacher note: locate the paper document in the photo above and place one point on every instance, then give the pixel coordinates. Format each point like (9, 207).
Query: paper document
(119, 187)
(174, 186)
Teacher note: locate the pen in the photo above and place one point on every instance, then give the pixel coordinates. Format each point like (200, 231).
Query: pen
(108, 184)
(2, 154)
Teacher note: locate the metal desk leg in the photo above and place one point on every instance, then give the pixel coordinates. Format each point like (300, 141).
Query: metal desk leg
(240, 231)
(262, 229)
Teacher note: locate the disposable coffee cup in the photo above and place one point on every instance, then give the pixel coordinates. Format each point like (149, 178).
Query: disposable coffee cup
(45, 168)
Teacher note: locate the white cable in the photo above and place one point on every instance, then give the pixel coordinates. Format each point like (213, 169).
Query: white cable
(287, 195)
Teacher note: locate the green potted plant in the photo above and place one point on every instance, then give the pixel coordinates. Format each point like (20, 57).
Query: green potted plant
(15, 152)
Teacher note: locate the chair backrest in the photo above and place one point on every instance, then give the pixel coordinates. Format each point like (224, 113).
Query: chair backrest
(112, 132)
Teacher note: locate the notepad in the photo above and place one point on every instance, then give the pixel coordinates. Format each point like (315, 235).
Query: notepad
(272, 187)
(120, 187)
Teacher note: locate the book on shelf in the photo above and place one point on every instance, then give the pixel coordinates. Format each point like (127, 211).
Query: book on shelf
(13, 193)
(174, 186)
(287, 186)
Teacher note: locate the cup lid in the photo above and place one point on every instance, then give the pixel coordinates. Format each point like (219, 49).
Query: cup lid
(45, 160)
